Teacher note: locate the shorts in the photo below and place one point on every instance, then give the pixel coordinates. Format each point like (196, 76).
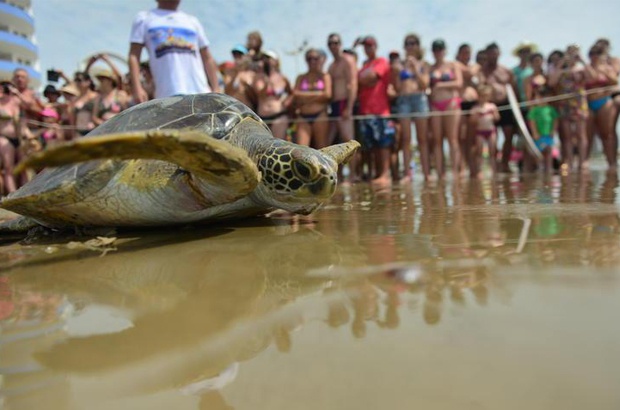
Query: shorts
(468, 105)
(378, 132)
(412, 103)
(506, 117)
(336, 108)
(545, 141)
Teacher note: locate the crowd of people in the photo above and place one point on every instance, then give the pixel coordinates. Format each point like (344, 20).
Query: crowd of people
(374, 99)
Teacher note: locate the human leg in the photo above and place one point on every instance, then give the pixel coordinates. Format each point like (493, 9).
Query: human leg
(436, 126)
(603, 118)
(451, 126)
(421, 130)
(7, 157)
(304, 133)
(279, 127)
(320, 129)
(405, 147)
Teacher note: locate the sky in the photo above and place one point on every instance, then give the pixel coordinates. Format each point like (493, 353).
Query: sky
(68, 31)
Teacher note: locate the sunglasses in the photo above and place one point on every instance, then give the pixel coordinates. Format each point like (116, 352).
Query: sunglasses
(333, 43)
(411, 43)
(312, 59)
(79, 80)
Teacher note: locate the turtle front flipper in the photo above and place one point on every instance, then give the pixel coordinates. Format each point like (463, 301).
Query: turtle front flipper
(195, 152)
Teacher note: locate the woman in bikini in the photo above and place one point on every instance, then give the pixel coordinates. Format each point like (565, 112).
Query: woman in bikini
(9, 135)
(569, 78)
(312, 95)
(482, 118)
(600, 76)
(469, 95)
(446, 82)
(83, 105)
(110, 100)
(274, 95)
(538, 79)
(410, 78)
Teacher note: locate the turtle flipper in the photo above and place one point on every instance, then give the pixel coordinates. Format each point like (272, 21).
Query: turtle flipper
(201, 155)
(19, 224)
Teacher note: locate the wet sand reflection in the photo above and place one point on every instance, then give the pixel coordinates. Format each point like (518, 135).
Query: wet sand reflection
(182, 316)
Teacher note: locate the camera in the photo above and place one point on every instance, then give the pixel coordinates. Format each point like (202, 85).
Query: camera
(6, 87)
(52, 75)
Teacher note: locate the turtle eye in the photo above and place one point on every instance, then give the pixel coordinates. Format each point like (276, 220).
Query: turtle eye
(302, 170)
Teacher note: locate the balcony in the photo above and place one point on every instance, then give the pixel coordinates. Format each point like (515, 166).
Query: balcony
(16, 18)
(18, 47)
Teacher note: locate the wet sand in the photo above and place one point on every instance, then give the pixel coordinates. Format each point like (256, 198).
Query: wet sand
(442, 296)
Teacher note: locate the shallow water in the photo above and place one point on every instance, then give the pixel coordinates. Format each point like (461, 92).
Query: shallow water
(468, 296)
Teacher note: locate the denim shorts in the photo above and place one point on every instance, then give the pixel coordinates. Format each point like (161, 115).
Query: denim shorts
(378, 132)
(412, 103)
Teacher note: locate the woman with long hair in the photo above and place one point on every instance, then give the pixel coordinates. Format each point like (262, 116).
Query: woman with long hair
(411, 78)
(446, 81)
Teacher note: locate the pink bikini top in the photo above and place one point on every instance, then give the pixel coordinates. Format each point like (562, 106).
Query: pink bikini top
(305, 85)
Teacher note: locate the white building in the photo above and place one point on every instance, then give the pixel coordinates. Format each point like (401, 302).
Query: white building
(18, 47)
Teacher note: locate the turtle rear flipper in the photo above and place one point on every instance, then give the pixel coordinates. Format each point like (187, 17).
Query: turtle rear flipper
(203, 156)
(19, 224)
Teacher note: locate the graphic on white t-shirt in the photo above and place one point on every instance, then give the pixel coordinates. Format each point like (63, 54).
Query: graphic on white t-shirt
(167, 40)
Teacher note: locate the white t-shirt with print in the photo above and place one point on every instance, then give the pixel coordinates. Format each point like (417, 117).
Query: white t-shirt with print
(173, 40)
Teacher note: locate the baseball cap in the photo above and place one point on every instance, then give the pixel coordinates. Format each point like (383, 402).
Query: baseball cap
(239, 49)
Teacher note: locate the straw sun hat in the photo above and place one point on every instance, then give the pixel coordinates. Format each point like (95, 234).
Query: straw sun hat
(524, 45)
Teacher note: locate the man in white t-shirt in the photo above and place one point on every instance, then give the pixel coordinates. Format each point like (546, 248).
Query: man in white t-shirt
(179, 55)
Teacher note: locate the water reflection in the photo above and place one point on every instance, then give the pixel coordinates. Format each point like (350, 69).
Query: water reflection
(185, 311)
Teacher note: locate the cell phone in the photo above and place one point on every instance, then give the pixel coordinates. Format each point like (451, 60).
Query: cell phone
(52, 75)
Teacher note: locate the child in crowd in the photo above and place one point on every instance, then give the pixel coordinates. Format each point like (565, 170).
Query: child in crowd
(483, 117)
(51, 132)
(543, 122)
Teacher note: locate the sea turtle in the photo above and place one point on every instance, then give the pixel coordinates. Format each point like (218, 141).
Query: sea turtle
(171, 161)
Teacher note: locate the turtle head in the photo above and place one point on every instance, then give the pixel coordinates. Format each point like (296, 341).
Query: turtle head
(298, 178)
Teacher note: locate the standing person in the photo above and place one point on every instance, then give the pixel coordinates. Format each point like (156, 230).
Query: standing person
(523, 70)
(254, 45)
(543, 121)
(239, 84)
(538, 79)
(274, 94)
(343, 72)
(30, 105)
(411, 79)
(82, 106)
(469, 99)
(483, 117)
(446, 82)
(614, 62)
(569, 78)
(111, 100)
(499, 77)
(600, 76)
(377, 130)
(178, 49)
(311, 96)
(9, 134)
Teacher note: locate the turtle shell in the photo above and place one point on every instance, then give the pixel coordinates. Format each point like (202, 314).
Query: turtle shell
(214, 114)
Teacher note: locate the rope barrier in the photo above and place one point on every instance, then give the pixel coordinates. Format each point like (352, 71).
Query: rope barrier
(529, 103)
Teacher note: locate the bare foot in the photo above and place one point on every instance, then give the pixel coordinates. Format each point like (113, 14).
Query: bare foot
(382, 181)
